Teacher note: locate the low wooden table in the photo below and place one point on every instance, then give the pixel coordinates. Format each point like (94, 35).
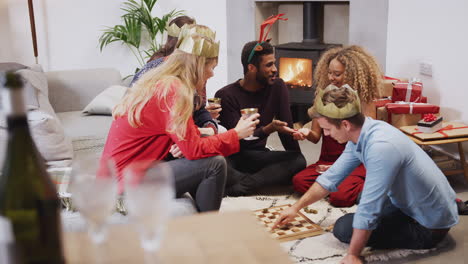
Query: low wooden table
(458, 140)
(228, 238)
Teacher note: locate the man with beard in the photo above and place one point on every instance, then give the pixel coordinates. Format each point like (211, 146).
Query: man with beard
(255, 166)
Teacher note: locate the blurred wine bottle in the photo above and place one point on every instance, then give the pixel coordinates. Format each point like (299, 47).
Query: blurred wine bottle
(27, 195)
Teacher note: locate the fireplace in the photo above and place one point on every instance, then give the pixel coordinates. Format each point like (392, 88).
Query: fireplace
(297, 60)
(296, 72)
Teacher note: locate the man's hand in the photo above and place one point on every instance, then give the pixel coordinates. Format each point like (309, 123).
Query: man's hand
(278, 125)
(286, 216)
(176, 152)
(351, 259)
(214, 110)
(301, 133)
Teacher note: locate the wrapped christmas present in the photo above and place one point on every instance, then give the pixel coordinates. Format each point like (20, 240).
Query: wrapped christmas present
(382, 102)
(407, 92)
(382, 114)
(430, 123)
(408, 114)
(386, 89)
(448, 130)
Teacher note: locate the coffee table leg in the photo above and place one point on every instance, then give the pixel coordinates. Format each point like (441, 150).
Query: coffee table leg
(462, 160)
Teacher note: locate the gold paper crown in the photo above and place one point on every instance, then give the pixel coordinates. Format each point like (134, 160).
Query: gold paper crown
(331, 110)
(198, 40)
(173, 30)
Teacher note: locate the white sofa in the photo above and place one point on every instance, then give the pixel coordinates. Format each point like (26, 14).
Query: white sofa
(69, 92)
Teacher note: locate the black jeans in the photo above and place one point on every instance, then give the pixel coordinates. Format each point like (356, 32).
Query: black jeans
(251, 169)
(395, 230)
(204, 179)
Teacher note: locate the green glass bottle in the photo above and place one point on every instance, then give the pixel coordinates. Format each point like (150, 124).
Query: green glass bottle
(27, 195)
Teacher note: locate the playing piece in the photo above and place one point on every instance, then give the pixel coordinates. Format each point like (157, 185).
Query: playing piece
(300, 227)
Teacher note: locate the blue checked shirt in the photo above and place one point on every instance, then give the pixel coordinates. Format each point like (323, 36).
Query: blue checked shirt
(399, 174)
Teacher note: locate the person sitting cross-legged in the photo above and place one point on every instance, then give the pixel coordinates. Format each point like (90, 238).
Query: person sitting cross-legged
(255, 166)
(406, 202)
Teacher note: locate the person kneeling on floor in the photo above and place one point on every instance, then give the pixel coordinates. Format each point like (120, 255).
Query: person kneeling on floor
(406, 202)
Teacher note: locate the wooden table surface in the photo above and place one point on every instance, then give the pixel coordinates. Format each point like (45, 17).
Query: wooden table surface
(227, 238)
(461, 151)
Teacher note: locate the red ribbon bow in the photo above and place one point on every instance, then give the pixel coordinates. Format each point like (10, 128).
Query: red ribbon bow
(429, 117)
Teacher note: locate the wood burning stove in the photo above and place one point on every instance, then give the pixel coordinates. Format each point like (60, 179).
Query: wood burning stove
(296, 61)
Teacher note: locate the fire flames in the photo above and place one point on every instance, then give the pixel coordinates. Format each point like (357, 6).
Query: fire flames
(296, 71)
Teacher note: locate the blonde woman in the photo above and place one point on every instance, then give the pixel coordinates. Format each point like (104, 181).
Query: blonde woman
(338, 66)
(157, 114)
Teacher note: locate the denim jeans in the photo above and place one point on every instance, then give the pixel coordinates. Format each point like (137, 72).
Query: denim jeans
(251, 169)
(394, 230)
(204, 179)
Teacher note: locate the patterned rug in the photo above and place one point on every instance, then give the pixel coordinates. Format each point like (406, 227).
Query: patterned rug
(319, 249)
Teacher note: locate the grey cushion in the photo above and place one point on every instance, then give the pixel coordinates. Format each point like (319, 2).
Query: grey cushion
(11, 66)
(104, 103)
(73, 90)
(30, 96)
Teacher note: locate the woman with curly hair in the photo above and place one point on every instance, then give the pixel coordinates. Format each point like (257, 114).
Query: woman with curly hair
(338, 66)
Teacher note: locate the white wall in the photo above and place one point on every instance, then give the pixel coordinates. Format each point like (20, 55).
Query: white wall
(68, 33)
(437, 35)
(368, 27)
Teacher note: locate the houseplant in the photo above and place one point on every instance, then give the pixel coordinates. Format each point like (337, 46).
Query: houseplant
(141, 32)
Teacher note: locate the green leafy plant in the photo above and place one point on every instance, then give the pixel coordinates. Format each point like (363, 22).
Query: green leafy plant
(139, 28)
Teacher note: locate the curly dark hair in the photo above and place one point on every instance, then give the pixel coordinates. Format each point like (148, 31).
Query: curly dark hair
(267, 49)
(361, 71)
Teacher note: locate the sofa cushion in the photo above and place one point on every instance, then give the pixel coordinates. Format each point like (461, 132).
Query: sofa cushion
(104, 103)
(45, 127)
(78, 125)
(30, 96)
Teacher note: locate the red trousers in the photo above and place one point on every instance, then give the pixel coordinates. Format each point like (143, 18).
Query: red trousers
(348, 190)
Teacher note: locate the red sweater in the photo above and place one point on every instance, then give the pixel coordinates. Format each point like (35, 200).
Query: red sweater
(151, 141)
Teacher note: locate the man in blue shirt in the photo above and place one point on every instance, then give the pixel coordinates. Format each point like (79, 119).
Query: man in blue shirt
(406, 202)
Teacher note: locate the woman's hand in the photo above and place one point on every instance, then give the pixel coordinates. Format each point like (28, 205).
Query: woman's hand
(322, 168)
(301, 133)
(214, 110)
(176, 152)
(246, 126)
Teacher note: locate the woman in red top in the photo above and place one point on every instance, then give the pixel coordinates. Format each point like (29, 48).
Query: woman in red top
(157, 113)
(354, 66)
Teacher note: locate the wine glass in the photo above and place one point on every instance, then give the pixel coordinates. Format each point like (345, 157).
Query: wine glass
(149, 190)
(212, 101)
(93, 188)
(247, 112)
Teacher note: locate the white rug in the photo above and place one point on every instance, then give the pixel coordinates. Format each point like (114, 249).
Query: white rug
(319, 249)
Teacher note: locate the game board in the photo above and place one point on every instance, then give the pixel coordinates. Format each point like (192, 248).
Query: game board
(299, 228)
